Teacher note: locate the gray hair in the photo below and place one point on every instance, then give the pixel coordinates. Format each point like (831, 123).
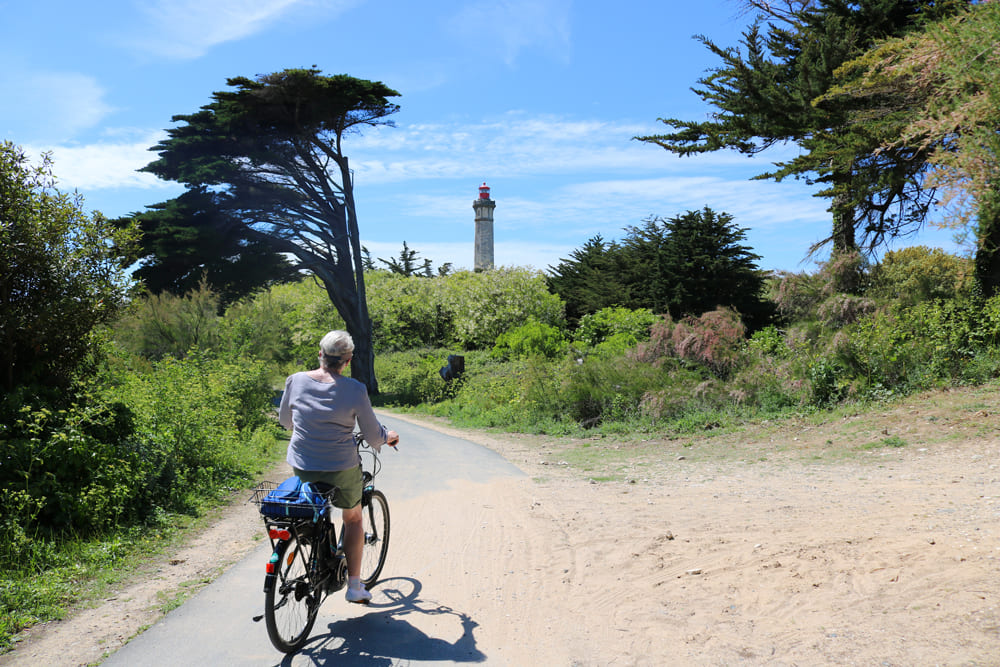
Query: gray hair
(336, 346)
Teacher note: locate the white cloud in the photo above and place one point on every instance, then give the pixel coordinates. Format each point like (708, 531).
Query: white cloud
(513, 145)
(515, 25)
(187, 29)
(49, 106)
(520, 145)
(104, 165)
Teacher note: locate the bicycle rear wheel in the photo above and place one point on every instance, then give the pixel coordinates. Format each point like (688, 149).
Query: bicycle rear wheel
(376, 522)
(291, 603)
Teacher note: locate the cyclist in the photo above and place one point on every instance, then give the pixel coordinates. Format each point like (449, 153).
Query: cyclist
(321, 408)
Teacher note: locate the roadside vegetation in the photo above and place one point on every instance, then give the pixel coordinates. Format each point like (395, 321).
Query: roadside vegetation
(160, 404)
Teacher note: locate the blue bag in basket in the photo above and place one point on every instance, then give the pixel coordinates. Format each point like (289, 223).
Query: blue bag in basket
(293, 498)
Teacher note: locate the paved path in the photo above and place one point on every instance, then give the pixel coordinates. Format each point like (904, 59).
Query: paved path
(215, 627)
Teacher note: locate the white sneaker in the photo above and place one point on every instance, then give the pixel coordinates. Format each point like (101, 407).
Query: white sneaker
(359, 595)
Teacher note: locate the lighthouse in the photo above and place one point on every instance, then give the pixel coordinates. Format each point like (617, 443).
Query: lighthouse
(483, 206)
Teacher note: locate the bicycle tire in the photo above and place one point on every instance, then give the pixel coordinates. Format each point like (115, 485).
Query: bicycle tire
(291, 603)
(376, 524)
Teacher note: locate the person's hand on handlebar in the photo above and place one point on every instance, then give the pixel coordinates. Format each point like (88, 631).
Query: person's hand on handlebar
(392, 439)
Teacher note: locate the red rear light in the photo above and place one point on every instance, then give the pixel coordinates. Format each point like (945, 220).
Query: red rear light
(270, 568)
(279, 534)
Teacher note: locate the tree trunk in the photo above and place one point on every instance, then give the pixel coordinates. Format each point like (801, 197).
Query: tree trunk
(988, 250)
(843, 216)
(363, 369)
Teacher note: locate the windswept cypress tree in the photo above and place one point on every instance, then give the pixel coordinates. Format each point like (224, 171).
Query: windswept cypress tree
(272, 150)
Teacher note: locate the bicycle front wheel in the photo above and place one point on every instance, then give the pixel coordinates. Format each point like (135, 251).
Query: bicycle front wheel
(291, 603)
(376, 523)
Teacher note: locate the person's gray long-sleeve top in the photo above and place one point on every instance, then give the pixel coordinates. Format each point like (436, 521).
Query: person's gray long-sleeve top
(321, 416)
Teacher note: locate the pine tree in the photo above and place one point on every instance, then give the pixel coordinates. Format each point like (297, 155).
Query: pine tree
(589, 279)
(692, 263)
(766, 95)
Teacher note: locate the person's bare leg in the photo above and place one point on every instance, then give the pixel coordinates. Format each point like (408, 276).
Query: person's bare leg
(354, 542)
(354, 538)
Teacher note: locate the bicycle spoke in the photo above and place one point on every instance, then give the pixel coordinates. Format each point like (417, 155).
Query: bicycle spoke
(376, 527)
(290, 617)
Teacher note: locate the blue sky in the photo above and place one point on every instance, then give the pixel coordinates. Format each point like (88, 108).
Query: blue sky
(540, 99)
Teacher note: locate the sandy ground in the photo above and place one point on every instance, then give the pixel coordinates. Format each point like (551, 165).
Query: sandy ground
(890, 556)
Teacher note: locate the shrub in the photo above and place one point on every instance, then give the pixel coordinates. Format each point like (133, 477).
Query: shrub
(531, 339)
(162, 325)
(486, 304)
(911, 275)
(616, 329)
(193, 419)
(713, 340)
(71, 463)
(767, 342)
(413, 377)
(519, 394)
(408, 312)
(840, 310)
(829, 381)
(465, 310)
(609, 388)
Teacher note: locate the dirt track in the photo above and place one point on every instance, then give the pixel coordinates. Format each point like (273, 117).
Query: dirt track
(888, 557)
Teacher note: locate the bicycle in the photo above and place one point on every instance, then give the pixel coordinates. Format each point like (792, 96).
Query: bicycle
(304, 568)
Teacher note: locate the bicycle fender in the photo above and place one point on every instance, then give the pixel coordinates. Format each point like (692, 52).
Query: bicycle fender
(271, 571)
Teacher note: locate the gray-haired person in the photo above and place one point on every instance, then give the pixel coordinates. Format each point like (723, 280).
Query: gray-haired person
(321, 407)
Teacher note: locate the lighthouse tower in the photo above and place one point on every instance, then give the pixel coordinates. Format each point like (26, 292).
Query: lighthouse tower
(483, 206)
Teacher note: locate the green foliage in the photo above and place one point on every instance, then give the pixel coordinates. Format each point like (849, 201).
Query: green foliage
(129, 443)
(281, 326)
(772, 90)
(829, 381)
(412, 377)
(912, 275)
(192, 419)
(522, 395)
(189, 240)
(608, 389)
(531, 339)
(488, 303)
(62, 274)
(615, 329)
(409, 312)
(161, 325)
(465, 310)
(767, 342)
(909, 348)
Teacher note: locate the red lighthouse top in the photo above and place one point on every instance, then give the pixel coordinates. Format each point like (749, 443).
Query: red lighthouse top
(484, 191)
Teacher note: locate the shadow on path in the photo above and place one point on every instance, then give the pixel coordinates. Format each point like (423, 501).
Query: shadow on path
(384, 636)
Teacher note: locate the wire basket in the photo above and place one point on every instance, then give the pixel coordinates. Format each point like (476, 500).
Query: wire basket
(283, 501)
(261, 490)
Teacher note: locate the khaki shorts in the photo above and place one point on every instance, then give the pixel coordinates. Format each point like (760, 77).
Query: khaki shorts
(348, 483)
